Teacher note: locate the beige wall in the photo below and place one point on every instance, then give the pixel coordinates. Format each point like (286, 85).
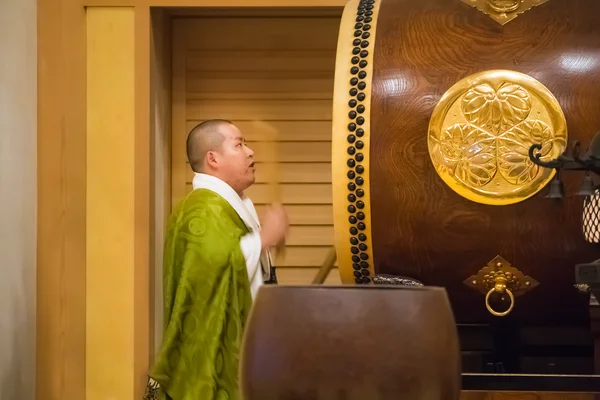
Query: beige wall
(18, 188)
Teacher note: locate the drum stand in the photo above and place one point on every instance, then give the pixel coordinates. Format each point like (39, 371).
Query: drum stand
(587, 276)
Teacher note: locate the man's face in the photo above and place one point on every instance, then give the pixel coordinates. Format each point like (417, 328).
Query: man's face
(236, 164)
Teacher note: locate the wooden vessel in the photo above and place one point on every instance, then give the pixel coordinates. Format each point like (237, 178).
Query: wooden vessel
(350, 343)
(436, 106)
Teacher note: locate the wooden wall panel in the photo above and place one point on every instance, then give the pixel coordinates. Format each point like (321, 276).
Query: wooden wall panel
(278, 81)
(269, 34)
(179, 130)
(111, 206)
(314, 131)
(160, 128)
(258, 109)
(290, 172)
(287, 152)
(142, 328)
(61, 230)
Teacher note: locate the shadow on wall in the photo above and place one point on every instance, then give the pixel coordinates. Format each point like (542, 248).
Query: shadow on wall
(15, 384)
(9, 389)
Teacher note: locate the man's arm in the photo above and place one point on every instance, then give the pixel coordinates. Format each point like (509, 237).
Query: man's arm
(274, 229)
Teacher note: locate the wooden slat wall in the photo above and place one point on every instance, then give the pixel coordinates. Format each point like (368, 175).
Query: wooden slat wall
(267, 75)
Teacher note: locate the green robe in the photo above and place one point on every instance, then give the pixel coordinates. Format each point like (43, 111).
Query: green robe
(206, 300)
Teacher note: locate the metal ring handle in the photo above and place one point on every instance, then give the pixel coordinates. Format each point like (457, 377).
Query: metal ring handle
(494, 312)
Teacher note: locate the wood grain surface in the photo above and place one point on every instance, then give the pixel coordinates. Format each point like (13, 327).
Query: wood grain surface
(421, 227)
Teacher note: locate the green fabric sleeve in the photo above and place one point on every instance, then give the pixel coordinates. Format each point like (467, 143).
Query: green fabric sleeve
(206, 300)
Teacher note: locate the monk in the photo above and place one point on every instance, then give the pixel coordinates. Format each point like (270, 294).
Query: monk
(216, 257)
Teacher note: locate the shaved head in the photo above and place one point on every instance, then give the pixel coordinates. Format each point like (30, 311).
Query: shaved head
(217, 147)
(204, 137)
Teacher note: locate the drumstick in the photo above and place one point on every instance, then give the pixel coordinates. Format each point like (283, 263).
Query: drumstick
(326, 267)
(271, 136)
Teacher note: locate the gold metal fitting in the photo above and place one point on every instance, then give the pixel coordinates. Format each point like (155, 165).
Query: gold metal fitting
(503, 11)
(500, 287)
(504, 6)
(498, 276)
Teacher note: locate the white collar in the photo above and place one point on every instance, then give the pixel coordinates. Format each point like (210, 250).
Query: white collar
(220, 187)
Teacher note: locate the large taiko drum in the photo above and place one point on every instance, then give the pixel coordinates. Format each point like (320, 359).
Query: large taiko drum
(436, 106)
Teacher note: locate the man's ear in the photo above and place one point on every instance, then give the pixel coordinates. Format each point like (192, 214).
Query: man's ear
(211, 159)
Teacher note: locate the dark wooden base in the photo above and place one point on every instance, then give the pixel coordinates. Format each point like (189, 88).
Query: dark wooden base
(507, 347)
(595, 329)
(507, 357)
(531, 383)
(467, 395)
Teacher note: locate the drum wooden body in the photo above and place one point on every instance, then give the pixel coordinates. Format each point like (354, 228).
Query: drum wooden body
(350, 343)
(411, 78)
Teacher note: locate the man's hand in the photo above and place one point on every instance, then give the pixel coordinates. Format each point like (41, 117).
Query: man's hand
(274, 226)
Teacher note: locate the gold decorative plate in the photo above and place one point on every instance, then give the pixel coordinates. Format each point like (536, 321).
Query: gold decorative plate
(481, 130)
(503, 11)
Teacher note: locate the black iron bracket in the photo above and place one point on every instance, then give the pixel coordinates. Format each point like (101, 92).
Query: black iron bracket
(575, 162)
